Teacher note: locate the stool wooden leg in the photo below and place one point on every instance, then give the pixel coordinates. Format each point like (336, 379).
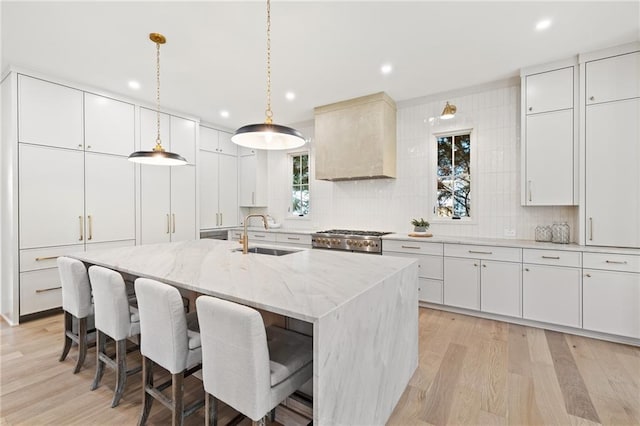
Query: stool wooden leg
(147, 383)
(177, 390)
(82, 343)
(211, 410)
(121, 371)
(67, 340)
(272, 415)
(100, 345)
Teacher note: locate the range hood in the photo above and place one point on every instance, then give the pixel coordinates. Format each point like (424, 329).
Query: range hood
(356, 139)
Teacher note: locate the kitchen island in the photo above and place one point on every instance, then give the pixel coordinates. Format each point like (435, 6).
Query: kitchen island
(363, 309)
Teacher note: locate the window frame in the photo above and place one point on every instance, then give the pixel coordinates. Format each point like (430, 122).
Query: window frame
(433, 187)
(290, 184)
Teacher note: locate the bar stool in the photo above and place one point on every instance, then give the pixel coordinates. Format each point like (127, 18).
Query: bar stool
(245, 366)
(76, 303)
(115, 318)
(169, 338)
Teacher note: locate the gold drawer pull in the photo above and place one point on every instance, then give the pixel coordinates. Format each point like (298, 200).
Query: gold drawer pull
(411, 247)
(259, 236)
(480, 252)
(42, 290)
(551, 257)
(38, 259)
(617, 262)
(293, 238)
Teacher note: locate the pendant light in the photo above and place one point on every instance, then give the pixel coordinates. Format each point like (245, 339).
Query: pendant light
(158, 156)
(448, 112)
(268, 135)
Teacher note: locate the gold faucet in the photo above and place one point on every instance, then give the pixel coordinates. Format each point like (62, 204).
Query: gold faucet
(244, 240)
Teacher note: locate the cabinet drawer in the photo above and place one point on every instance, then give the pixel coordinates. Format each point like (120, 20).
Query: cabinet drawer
(40, 290)
(508, 254)
(417, 247)
(612, 262)
(552, 257)
(234, 235)
(261, 236)
(430, 290)
(110, 245)
(428, 266)
(293, 238)
(43, 258)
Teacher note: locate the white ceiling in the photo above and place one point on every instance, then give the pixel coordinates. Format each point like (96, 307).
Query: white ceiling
(215, 55)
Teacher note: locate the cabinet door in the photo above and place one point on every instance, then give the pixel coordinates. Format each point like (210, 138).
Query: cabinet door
(611, 302)
(208, 139)
(462, 282)
(149, 132)
(549, 91)
(108, 125)
(225, 145)
(612, 196)
(551, 294)
(183, 203)
(51, 183)
(40, 290)
(549, 159)
(228, 190)
(49, 114)
(208, 175)
(500, 288)
(155, 207)
(430, 290)
(109, 198)
(612, 79)
(247, 167)
(183, 138)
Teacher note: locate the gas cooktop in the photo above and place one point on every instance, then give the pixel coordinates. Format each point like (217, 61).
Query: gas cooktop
(353, 232)
(349, 240)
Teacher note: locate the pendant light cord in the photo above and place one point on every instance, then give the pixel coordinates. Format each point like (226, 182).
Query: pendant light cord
(158, 143)
(268, 112)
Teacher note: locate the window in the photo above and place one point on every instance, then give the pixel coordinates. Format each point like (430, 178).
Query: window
(300, 184)
(453, 194)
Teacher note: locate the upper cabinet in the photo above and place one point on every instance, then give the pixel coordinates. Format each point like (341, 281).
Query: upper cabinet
(49, 114)
(217, 141)
(549, 137)
(612, 79)
(177, 134)
(101, 133)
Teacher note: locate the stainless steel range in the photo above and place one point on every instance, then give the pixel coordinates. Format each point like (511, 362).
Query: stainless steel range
(350, 240)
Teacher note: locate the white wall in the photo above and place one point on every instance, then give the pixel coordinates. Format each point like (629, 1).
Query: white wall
(389, 204)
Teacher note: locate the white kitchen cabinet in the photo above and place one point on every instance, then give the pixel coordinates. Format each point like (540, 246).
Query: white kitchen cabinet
(177, 134)
(501, 288)
(252, 171)
(218, 178)
(109, 125)
(183, 136)
(225, 145)
(302, 240)
(168, 206)
(612, 79)
(549, 91)
(49, 114)
(612, 175)
(40, 290)
(548, 125)
(552, 294)
(462, 283)
(51, 196)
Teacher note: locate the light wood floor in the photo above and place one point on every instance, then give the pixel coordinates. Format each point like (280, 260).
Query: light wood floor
(471, 371)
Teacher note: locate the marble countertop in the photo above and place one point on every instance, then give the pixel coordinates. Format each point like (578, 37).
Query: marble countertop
(306, 285)
(504, 242)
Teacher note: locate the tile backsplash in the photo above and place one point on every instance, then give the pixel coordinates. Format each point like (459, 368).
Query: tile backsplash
(493, 114)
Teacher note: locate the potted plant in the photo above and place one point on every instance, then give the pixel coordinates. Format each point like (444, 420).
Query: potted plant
(420, 225)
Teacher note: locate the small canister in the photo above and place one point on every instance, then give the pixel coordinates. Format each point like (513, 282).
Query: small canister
(543, 233)
(560, 233)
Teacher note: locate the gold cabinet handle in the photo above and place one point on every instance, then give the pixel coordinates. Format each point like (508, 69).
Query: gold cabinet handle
(90, 220)
(590, 229)
(484, 266)
(411, 247)
(81, 230)
(217, 219)
(42, 290)
(526, 269)
(173, 217)
(220, 219)
(617, 262)
(480, 252)
(293, 238)
(259, 236)
(168, 224)
(529, 190)
(587, 275)
(39, 259)
(551, 257)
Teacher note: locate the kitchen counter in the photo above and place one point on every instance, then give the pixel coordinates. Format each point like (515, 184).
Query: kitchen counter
(363, 309)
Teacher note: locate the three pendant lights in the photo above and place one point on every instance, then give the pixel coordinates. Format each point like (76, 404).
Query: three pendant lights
(267, 135)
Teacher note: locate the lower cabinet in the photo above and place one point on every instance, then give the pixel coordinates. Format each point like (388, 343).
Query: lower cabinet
(40, 290)
(462, 283)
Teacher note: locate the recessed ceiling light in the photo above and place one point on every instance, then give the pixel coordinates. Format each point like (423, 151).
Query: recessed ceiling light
(290, 96)
(386, 69)
(543, 25)
(224, 114)
(134, 85)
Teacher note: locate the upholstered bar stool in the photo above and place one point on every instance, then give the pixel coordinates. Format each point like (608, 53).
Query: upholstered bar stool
(169, 338)
(115, 318)
(245, 366)
(76, 303)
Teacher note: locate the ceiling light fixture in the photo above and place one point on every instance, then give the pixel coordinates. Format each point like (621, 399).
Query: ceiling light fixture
(224, 114)
(158, 156)
(290, 96)
(134, 85)
(386, 69)
(268, 135)
(448, 112)
(543, 25)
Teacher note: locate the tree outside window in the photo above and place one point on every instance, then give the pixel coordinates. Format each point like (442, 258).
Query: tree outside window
(300, 184)
(454, 176)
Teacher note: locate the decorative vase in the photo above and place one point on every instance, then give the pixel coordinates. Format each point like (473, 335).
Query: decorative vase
(560, 233)
(419, 229)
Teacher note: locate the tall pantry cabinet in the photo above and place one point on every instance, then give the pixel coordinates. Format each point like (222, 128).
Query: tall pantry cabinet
(611, 89)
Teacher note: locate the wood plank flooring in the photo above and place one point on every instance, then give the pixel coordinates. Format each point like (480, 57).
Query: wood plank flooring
(472, 371)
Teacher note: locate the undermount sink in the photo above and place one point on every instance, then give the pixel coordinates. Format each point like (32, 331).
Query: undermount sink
(269, 251)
